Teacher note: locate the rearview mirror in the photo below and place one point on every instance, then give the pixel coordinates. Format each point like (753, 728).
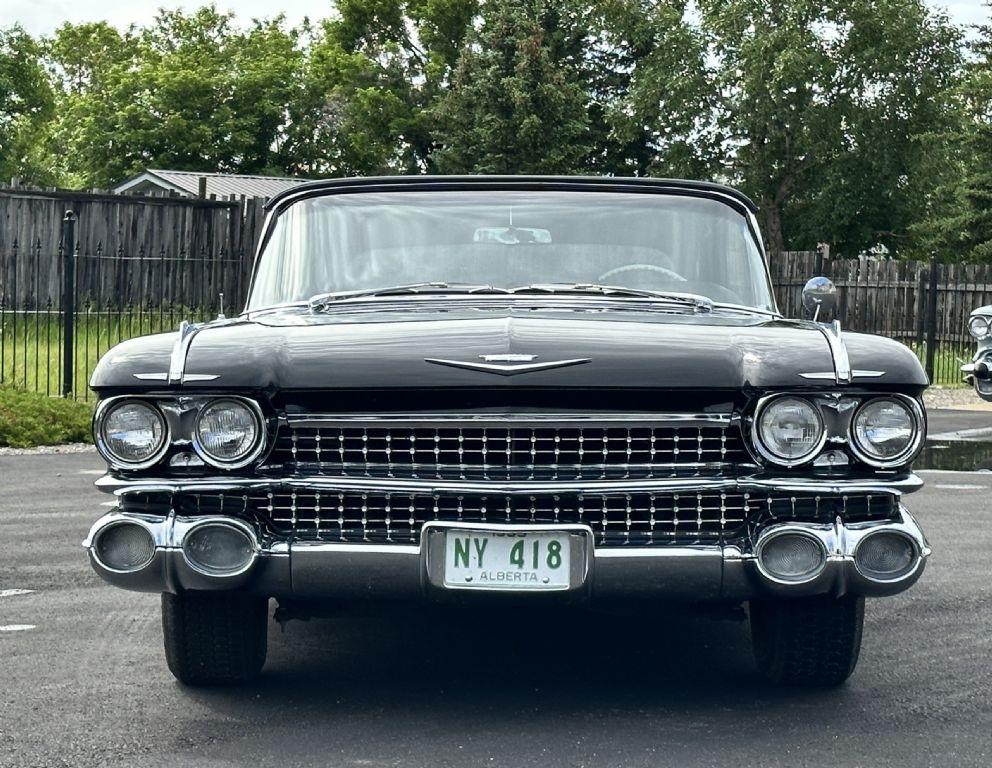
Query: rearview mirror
(819, 297)
(512, 235)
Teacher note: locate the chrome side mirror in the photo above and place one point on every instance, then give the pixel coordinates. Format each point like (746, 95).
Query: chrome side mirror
(819, 297)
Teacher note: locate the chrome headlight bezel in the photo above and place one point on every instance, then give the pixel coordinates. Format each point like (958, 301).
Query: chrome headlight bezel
(984, 327)
(105, 410)
(757, 439)
(903, 457)
(248, 457)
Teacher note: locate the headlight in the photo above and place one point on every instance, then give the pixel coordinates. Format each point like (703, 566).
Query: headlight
(227, 433)
(132, 433)
(789, 431)
(885, 431)
(978, 326)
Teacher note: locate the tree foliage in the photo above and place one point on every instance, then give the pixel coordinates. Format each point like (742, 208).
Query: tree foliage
(863, 123)
(512, 107)
(26, 104)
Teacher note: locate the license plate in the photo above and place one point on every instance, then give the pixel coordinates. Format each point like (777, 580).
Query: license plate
(506, 560)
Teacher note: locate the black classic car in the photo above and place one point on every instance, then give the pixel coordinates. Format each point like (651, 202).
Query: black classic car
(978, 372)
(569, 390)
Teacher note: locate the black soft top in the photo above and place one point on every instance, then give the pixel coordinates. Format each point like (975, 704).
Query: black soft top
(454, 183)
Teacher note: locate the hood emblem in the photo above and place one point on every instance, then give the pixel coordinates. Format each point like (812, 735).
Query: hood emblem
(507, 365)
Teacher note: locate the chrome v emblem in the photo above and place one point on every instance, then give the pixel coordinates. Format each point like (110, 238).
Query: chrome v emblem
(507, 365)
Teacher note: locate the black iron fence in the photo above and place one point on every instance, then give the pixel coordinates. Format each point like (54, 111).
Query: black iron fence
(105, 296)
(51, 339)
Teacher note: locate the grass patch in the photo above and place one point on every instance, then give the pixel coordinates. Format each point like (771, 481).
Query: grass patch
(29, 419)
(31, 344)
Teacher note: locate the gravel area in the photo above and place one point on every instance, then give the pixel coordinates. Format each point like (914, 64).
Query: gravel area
(48, 449)
(954, 397)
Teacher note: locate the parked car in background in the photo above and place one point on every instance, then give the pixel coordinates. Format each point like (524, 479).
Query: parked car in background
(489, 389)
(978, 372)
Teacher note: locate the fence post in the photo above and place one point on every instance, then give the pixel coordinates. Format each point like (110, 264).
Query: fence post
(932, 318)
(822, 254)
(68, 300)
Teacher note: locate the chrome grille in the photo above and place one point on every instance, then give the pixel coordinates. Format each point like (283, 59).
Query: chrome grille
(507, 452)
(616, 519)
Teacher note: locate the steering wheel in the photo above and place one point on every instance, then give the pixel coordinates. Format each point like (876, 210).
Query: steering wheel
(671, 275)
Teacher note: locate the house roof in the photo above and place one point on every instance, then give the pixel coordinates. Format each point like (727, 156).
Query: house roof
(219, 184)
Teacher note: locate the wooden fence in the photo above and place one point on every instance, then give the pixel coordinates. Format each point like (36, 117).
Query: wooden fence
(889, 297)
(160, 233)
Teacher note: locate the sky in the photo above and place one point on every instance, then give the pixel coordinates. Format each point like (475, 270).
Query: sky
(43, 16)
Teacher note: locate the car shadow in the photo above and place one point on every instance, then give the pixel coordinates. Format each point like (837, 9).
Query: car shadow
(456, 659)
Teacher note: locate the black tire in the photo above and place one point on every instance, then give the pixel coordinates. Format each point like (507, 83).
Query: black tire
(214, 637)
(811, 641)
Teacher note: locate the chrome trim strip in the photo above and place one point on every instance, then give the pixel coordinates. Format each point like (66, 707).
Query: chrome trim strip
(177, 361)
(379, 549)
(622, 553)
(832, 375)
(894, 485)
(507, 369)
(186, 376)
(838, 351)
(518, 417)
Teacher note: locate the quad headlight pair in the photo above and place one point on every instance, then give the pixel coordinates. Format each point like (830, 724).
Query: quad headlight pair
(883, 431)
(135, 434)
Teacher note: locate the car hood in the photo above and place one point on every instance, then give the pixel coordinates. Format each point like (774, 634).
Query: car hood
(296, 350)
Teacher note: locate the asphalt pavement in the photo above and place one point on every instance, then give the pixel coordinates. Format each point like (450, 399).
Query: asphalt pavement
(83, 681)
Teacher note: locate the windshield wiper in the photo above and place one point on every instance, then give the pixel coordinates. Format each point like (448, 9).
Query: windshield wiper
(322, 300)
(699, 302)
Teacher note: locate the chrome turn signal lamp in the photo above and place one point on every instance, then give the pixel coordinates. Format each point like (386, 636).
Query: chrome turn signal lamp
(792, 557)
(880, 431)
(124, 547)
(220, 548)
(135, 433)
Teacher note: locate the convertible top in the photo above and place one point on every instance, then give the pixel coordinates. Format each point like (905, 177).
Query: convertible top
(575, 183)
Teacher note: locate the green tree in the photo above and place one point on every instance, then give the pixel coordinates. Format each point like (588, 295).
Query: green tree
(191, 91)
(959, 221)
(26, 105)
(512, 107)
(370, 77)
(823, 107)
(652, 90)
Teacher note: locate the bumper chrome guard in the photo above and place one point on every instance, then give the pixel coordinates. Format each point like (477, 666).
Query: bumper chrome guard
(319, 570)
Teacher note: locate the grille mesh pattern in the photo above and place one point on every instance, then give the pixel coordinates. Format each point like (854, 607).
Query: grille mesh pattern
(471, 452)
(616, 519)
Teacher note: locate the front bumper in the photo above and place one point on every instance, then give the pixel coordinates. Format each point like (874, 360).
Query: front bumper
(358, 571)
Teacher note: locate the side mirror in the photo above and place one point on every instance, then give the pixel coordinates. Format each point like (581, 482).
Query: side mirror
(819, 297)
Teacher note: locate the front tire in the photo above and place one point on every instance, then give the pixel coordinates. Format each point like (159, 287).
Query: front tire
(812, 641)
(214, 637)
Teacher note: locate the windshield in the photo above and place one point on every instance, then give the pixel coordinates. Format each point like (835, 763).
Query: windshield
(508, 239)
